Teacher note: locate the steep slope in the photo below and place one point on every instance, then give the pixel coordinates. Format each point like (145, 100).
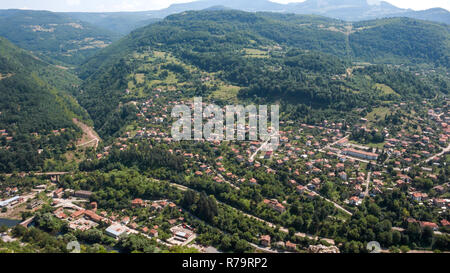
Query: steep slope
(401, 40)
(53, 36)
(384, 40)
(296, 59)
(434, 15)
(35, 103)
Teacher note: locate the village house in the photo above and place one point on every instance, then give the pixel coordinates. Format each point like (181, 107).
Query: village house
(291, 246)
(418, 196)
(153, 233)
(275, 205)
(355, 201)
(343, 175)
(433, 226)
(58, 193)
(265, 240)
(137, 203)
(301, 189)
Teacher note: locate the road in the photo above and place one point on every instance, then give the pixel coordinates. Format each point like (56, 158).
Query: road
(252, 158)
(221, 176)
(334, 203)
(446, 150)
(326, 199)
(88, 134)
(272, 225)
(38, 174)
(334, 143)
(366, 193)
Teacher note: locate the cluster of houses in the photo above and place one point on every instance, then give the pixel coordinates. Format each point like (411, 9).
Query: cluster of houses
(311, 151)
(83, 219)
(4, 134)
(265, 241)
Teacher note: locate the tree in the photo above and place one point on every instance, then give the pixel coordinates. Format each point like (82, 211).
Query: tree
(427, 236)
(136, 243)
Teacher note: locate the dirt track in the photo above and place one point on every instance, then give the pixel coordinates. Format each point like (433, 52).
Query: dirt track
(90, 137)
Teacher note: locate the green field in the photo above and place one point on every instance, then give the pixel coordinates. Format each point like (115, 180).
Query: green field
(226, 93)
(378, 114)
(385, 90)
(255, 53)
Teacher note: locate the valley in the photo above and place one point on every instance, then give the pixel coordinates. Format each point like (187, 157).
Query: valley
(87, 152)
(90, 137)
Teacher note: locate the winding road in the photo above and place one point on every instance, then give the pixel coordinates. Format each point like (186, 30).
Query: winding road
(272, 225)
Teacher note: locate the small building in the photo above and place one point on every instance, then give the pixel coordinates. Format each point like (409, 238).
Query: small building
(301, 189)
(116, 230)
(58, 193)
(291, 246)
(265, 240)
(431, 225)
(153, 233)
(355, 201)
(83, 194)
(137, 203)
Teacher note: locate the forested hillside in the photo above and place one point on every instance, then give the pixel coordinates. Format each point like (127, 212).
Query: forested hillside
(303, 60)
(401, 40)
(36, 109)
(53, 37)
(363, 130)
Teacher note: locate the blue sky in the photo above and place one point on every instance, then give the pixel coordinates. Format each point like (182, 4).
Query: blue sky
(139, 5)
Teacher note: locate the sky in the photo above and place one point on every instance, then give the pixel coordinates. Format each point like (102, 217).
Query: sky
(142, 5)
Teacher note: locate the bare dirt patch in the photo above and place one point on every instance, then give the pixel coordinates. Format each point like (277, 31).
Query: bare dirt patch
(90, 138)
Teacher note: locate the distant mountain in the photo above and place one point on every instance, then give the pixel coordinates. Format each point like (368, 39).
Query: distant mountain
(118, 22)
(436, 15)
(125, 22)
(349, 10)
(251, 6)
(53, 36)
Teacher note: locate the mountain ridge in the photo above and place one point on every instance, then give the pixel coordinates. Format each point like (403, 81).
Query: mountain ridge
(53, 36)
(249, 48)
(349, 10)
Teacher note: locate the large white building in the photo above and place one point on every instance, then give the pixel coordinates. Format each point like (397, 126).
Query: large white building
(8, 201)
(116, 230)
(360, 154)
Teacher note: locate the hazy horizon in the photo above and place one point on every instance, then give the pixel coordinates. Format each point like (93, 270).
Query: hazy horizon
(146, 5)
